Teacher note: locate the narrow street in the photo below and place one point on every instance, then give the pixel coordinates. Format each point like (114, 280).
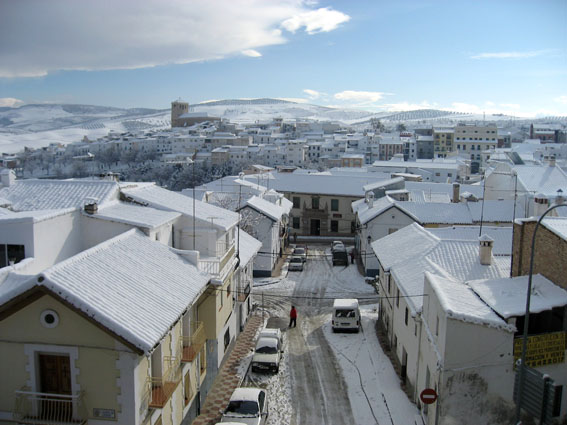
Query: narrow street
(326, 377)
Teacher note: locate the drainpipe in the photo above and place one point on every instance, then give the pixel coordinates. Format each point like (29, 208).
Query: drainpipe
(420, 321)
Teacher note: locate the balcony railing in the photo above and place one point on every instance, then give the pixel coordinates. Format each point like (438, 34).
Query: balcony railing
(48, 408)
(193, 344)
(159, 389)
(215, 266)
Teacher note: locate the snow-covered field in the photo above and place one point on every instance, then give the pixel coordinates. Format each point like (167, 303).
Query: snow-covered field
(373, 393)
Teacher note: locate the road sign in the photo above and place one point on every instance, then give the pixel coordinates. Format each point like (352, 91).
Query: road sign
(428, 396)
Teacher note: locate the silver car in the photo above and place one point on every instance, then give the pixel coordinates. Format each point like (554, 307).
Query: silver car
(295, 264)
(247, 406)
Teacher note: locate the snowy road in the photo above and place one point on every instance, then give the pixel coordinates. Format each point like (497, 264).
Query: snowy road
(329, 378)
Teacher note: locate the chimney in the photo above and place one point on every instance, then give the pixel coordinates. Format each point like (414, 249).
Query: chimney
(540, 204)
(456, 190)
(7, 177)
(370, 199)
(91, 208)
(552, 160)
(485, 250)
(559, 199)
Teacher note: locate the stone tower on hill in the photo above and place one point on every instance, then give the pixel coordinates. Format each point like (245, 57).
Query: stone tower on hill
(178, 108)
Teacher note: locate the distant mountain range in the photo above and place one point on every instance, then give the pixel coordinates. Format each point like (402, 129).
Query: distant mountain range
(37, 125)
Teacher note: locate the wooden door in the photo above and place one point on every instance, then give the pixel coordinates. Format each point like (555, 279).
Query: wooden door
(55, 378)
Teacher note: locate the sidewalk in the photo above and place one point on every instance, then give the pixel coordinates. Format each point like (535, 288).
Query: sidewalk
(227, 379)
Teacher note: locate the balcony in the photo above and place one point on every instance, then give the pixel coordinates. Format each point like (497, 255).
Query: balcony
(193, 344)
(47, 408)
(216, 265)
(159, 389)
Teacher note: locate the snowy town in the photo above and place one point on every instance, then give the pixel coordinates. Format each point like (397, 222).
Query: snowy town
(324, 276)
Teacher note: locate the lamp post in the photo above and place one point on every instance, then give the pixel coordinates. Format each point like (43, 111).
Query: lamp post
(522, 371)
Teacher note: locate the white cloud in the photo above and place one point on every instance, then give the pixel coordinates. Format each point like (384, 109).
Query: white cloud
(312, 94)
(10, 102)
(510, 55)
(561, 99)
(252, 53)
(359, 97)
(40, 37)
(321, 20)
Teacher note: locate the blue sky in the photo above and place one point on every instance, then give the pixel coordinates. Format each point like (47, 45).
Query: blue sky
(468, 56)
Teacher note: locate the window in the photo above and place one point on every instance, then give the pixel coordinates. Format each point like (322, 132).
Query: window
(406, 317)
(295, 222)
(397, 298)
(334, 226)
(449, 174)
(296, 202)
(334, 204)
(437, 327)
(228, 290)
(11, 254)
(226, 339)
(315, 203)
(352, 227)
(203, 359)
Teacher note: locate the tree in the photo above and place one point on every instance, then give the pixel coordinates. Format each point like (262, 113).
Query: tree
(401, 127)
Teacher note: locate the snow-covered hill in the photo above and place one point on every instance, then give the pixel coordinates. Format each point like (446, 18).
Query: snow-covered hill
(42, 124)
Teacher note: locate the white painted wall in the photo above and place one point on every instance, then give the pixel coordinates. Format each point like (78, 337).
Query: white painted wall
(379, 227)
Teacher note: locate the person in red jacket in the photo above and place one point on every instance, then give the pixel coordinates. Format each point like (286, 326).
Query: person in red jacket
(293, 317)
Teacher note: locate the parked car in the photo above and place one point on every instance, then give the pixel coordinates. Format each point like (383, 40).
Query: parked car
(267, 355)
(346, 315)
(337, 245)
(300, 252)
(295, 264)
(271, 333)
(247, 406)
(339, 254)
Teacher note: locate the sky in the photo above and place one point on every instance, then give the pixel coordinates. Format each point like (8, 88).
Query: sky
(493, 56)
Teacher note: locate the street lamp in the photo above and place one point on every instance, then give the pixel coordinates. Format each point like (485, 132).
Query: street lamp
(522, 371)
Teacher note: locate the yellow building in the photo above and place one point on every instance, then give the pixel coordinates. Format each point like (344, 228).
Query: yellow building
(114, 333)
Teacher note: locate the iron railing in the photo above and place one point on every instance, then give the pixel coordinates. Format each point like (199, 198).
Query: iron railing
(160, 388)
(193, 343)
(48, 408)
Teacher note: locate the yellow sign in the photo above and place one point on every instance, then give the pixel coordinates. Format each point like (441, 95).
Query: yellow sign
(542, 349)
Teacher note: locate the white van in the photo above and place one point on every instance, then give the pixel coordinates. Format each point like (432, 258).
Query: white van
(346, 315)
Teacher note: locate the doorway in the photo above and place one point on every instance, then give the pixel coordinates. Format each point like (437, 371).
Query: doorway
(315, 227)
(404, 370)
(55, 378)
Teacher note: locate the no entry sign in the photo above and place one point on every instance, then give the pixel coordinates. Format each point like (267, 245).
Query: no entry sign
(428, 396)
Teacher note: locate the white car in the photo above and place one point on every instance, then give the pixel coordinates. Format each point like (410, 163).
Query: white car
(337, 246)
(247, 406)
(267, 355)
(300, 252)
(271, 333)
(295, 264)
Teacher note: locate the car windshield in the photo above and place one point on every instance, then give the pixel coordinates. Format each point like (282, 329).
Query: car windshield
(242, 407)
(345, 313)
(296, 260)
(299, 251)
(267, 349)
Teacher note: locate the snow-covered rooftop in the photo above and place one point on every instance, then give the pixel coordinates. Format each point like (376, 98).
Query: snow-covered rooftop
(557, 225)
(164, 199)
(546, 180)
(507, 296)
(502, 236)
(273, 211)
(461, 303)
(33, 216)
(413, 250)
(134, 214)
(437, 213)
(135, 287)
(27, 195)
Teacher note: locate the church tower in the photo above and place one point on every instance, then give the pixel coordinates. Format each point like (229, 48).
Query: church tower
(178, 108)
